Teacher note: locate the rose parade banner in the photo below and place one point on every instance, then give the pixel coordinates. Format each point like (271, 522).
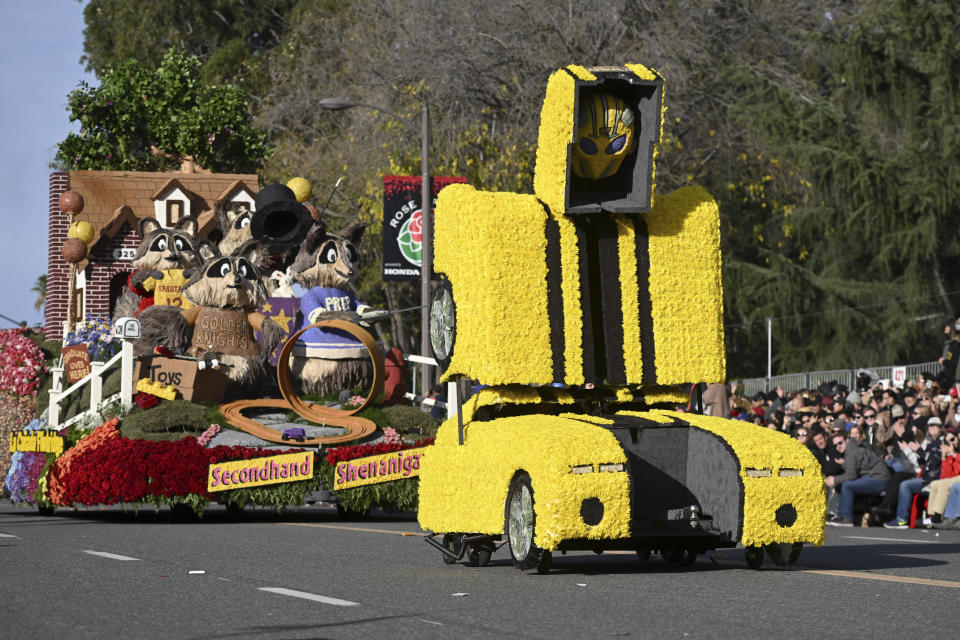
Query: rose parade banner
(375, 469)
(402, 223)
(238, 474)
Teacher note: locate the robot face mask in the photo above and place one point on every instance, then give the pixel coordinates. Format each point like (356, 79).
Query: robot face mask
(605, 133)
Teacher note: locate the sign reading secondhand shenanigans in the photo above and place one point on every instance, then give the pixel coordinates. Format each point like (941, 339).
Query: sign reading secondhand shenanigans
(376, 469)
(237, 474)
(76, 362)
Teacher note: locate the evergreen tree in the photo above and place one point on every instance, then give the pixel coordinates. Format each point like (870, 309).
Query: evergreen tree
(868, 257)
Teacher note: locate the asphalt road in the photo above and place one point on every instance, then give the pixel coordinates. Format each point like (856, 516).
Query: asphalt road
(308, 574)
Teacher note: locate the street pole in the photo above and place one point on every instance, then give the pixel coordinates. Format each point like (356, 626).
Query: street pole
(426, 251)
(769, 348)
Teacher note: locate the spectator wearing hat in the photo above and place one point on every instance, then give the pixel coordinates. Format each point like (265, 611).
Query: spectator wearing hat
(903, 461)
(949, 476)
(864, 473)
(930, 459)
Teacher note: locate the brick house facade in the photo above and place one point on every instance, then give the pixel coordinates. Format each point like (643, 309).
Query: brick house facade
(114, 202)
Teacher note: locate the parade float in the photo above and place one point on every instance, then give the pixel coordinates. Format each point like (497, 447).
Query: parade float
(588, 312)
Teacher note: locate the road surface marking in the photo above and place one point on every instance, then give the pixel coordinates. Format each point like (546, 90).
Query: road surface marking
(346, 528)
(883, 577)
(310, 596)
(112, 556)
(8, 535)
(891, 539)
(439, 624)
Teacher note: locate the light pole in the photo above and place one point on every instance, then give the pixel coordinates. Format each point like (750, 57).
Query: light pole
(426, 219)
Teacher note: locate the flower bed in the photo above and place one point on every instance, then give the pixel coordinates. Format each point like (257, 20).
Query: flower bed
(106, 468)
(398, 494)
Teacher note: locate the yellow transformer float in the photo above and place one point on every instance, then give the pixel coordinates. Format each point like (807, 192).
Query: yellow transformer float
(589, 309)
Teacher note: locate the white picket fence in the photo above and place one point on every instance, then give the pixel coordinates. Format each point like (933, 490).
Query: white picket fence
(94, 379)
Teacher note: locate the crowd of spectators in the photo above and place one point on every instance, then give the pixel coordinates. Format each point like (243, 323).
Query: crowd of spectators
(878, 445)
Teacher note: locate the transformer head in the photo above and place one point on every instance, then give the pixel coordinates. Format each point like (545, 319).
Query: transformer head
(605, 135)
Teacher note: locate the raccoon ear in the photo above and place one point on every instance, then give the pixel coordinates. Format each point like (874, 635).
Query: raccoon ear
(146, 226)
(306, 257)
(353, 232)
(253, 251)
(188, 224)
(206, 251)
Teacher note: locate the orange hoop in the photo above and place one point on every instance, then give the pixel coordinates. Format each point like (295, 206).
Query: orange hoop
(324, 414)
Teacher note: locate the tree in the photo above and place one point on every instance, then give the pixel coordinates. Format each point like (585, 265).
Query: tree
(230, 37)
(866, 273)
(147, 120)
(40, 288)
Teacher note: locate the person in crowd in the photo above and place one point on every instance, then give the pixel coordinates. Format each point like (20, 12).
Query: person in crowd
(884, 432)
(802, 434)
(930, 459)
(904, 462)
(717, 398)
(951, 513)
(857, 433)
(949, 476)
(864, 473)
(826, 455)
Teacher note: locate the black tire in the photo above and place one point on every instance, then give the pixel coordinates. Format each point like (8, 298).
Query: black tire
(672, 555)
(478, 555)
(644, 555)
(451, 542)
(443, 324)
(46, 510)
(754, 557)
(783, 554)
(521, 520)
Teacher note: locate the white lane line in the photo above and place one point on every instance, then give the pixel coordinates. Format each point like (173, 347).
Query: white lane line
(891, 539)
(8, 535)
(310, 596)
(439, 624)
(112, 556)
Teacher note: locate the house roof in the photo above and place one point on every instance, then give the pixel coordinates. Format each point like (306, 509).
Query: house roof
(111, 195)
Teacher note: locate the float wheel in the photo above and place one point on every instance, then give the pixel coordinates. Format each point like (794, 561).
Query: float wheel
(521, 523)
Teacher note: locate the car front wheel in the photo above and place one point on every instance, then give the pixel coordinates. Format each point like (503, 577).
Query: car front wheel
(521, 522)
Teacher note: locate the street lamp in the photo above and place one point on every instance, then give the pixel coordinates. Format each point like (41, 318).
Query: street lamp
(426, 219)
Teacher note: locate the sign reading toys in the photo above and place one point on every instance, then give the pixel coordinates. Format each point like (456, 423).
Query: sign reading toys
(402, 223)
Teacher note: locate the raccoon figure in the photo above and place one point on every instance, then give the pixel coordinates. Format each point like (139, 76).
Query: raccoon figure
(234, 220)
(160, 261)
(226, 292)
(328, 360)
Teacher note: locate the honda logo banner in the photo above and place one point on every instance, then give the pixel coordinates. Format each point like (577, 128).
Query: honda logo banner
(402, 223)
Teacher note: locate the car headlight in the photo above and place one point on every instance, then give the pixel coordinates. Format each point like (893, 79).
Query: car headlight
(582, 468)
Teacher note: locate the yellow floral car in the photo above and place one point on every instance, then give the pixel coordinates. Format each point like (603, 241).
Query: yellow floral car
(588, 308)
(537, 469)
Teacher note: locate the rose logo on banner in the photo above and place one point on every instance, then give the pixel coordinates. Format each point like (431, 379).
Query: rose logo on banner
(403, 224)
(410, 238)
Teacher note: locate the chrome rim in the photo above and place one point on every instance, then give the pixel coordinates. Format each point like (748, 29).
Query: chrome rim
(442, 324)
(521, 522)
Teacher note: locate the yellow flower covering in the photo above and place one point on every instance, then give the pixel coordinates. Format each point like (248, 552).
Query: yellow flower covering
(555, 136)
(167, 392)
(464, 488)
(685, 287)
(761, 448)
(491, 247)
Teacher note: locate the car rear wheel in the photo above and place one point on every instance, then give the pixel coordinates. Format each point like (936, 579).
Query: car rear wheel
(521, 522)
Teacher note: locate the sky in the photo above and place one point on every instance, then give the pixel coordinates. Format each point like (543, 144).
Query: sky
(40, 48)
